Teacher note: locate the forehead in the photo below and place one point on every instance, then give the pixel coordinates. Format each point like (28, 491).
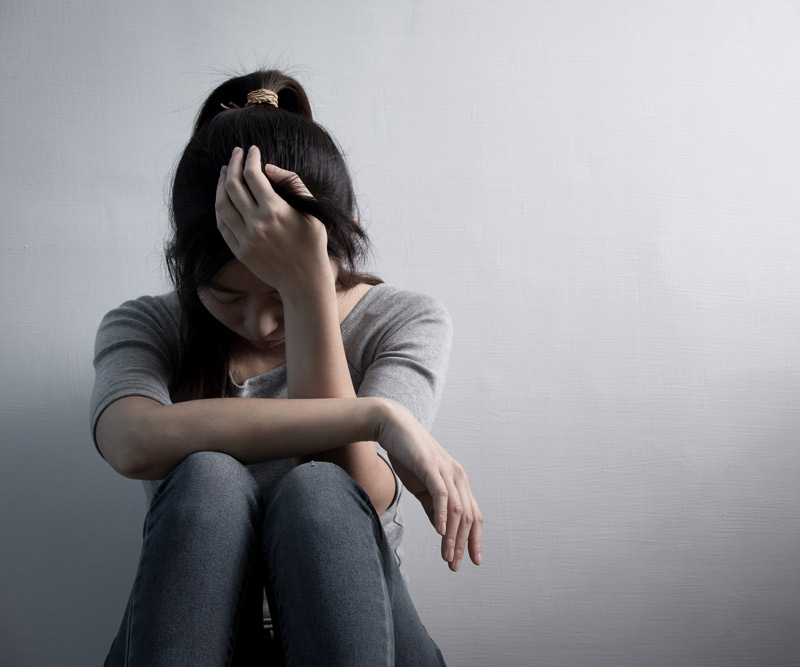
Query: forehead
(236, 277)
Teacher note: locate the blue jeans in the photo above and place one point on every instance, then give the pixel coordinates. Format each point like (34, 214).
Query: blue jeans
(211, 546)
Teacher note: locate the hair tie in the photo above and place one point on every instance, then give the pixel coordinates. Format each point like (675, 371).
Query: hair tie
(260, 96)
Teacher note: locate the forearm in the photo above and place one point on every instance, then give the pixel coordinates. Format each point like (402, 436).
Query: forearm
(317, 368)
(251, 430)
(315, 357)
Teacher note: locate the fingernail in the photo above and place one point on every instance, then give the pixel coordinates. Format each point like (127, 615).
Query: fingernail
(456, 565)
(450, 555)
(235, 150)
(478, 561)
(251, 149)
(224, 170)
(442, 528)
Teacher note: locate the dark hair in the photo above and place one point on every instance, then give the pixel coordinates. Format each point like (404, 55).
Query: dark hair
(287, 137)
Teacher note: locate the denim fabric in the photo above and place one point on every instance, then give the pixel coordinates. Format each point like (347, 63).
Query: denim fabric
(211, 545)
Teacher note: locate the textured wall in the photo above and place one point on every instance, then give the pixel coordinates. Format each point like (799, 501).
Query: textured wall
(603, 193)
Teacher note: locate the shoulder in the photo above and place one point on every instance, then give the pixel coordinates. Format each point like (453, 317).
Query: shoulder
(397, 323)
(162, 307)
(148, 317)
(388, 307)
(163, 310)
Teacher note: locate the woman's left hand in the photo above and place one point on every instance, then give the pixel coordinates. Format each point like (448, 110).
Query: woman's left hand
(283, 247)
(435, 478)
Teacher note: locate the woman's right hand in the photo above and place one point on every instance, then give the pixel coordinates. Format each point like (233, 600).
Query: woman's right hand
(283, 247)
(436, 479)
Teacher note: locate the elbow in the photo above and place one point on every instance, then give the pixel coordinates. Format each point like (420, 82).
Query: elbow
(134, 465)
(128, 451)
(126, 457)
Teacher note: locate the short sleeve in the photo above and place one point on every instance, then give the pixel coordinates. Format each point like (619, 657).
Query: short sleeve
(136, 352)
(410, 355)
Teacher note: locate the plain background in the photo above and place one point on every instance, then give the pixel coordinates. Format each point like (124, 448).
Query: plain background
(604, 194)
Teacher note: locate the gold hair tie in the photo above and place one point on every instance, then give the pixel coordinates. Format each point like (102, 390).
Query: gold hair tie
(260, 96)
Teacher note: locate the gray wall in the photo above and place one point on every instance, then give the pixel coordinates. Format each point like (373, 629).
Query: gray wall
(603, 193)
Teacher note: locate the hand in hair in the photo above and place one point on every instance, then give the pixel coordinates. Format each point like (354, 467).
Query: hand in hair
(283, 247)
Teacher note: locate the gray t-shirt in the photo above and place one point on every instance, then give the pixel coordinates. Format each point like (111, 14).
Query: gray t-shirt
(397, 345)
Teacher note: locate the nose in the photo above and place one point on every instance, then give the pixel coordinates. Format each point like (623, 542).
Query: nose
(262, 320)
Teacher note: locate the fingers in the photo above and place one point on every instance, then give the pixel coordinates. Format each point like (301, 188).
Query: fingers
(287, 179)
(426, 501)
(228, 236)
(476, 535)
(257, 183)
(247, 189)
(464, 522)
(440, 484)
(241, 190)
(249, 186)
(464, 526)
(439, 514)
(454, 511)
(229, 220)
(237, 188)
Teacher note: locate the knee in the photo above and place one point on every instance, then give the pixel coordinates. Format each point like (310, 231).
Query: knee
(317, 514)
(316, 482)
(315, 493)
(209, 486)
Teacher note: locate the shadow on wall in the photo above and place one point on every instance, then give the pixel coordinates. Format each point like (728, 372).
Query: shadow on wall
(75, 528)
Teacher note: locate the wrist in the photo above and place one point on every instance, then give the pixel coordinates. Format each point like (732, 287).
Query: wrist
(314, 286)
(381, 415)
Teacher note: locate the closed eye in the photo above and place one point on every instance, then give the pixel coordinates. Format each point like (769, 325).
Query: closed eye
(226, 301)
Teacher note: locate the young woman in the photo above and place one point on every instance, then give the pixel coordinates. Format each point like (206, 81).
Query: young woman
(252, 400)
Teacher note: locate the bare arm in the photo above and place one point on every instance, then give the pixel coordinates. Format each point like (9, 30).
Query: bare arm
(317, 368)
(142, 439)
(288, 250)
